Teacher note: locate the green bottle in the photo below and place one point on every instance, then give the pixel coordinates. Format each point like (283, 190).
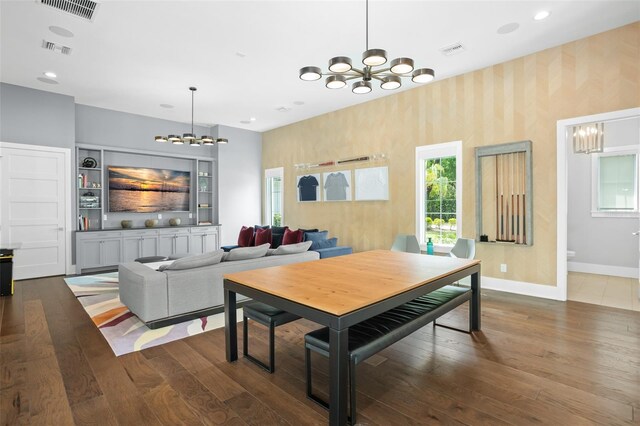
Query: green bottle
(429, 246)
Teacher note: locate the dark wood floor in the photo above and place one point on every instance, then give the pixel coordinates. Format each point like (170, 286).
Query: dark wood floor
(535, 362)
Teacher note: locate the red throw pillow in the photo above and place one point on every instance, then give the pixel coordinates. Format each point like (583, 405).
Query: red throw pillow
(245, 238)
(292, 237)
(263, 236)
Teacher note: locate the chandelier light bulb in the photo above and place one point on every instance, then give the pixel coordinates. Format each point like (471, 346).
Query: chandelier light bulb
(423, 75)
(188, 136)
(374, 57)
(222, 140)
(336, 82)
(161, 139)
(361, 87)
(194, 143)
(391, 82)
(340, 64)
(401, 65)
(310, 73)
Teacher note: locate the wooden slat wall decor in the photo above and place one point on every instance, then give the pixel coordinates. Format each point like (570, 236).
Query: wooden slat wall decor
(516, 100)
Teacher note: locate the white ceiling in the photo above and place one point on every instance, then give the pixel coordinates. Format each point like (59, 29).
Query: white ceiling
(244, 56)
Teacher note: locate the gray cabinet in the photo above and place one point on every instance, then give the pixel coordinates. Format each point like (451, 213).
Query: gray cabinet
(172, 241)
(204, 239)
(137, 244)
(98, 249)
(107, 249)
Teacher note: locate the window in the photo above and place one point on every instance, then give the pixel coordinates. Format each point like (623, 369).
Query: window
(274, 190)
(439, 193)
(615, 182)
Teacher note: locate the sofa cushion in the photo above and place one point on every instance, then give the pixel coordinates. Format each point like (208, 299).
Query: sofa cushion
(263, 236)
(315, 237)
(277, 233)
(323, 244)
(334, 251)
(292, 237)
(256, 227)
(244, 253)
(245, 238)
(291, 248)
(206, 259)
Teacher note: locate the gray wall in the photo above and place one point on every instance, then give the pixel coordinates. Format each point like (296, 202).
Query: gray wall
(36, 117)
(600, 240)
(239, 186)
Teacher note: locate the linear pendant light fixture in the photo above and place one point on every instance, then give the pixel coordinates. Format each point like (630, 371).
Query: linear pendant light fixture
(190, 138)
(341, 70)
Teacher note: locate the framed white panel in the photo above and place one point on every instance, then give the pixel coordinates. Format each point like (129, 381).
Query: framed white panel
(372, 184)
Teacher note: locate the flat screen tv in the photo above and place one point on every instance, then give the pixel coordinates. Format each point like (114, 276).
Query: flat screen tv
(142, 190)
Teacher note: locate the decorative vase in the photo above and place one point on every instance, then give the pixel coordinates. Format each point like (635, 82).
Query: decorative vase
(174, 221)
(126, 223)
(150, 223)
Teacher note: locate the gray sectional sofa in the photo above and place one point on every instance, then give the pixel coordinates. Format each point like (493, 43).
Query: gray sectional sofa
(192, 287)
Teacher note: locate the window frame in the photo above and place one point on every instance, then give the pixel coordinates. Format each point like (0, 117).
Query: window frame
(269, 174)
(595, 181)
(427, 152)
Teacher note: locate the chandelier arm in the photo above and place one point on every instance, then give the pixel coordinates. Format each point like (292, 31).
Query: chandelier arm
(348, 74)
(353, 77)
(377, 77)
(380, 71)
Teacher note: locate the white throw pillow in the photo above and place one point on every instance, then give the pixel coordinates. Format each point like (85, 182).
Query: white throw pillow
(206, 259)
(293, 248)
(244, 253)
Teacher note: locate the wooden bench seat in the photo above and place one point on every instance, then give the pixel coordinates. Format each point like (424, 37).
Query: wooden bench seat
(371, 336)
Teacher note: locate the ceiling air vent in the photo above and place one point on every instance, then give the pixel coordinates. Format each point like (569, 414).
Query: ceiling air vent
(84, 9)
(54, 47)
(452, 49)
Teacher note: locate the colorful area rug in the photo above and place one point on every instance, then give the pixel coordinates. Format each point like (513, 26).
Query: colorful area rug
(124, 331)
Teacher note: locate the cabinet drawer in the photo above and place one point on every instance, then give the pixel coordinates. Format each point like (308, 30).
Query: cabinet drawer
(169, 231)
(98, 235)
(204, 229)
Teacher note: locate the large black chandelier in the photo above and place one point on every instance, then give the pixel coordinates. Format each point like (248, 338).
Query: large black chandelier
(191, 138)
(341, 70)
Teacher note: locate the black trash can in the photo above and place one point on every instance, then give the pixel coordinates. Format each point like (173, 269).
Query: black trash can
(6, 272)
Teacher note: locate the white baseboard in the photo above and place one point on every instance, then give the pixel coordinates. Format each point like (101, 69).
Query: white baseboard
(592, 268)
(519, 287)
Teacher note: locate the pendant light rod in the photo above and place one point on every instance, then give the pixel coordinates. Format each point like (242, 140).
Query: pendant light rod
(193, 89)
(367, 25)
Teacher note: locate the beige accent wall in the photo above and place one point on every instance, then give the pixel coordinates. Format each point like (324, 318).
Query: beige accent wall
(516, 100)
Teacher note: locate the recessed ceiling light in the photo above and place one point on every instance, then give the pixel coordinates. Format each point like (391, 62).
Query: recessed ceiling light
(241, 55)
(252, 119)
(62, 32)
(168, 106)
(508, 28)
(46, 80)
(50, 74)
(543, 14)
(283, 109)
(245, 121)
(298, 103)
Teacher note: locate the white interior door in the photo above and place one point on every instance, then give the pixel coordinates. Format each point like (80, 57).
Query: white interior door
(32, 209)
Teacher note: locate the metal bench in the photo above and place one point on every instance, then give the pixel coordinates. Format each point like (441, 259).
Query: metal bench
(371, 336)
(269, 317)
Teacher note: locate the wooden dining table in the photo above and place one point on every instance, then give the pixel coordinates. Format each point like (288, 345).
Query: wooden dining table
(339, 292)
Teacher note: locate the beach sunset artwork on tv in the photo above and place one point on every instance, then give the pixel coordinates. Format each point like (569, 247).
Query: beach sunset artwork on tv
(144, 190)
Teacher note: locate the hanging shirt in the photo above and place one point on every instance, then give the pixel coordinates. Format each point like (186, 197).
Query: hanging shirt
(307, 186)
(336, 186)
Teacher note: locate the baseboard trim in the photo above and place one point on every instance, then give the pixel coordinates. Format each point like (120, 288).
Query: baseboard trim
(593, 268)
(520, 287)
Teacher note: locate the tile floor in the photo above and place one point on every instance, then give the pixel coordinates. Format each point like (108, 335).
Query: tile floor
(604, 290)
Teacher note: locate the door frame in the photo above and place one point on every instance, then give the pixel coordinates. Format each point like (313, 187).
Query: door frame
(562, 138)
(66, 179)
